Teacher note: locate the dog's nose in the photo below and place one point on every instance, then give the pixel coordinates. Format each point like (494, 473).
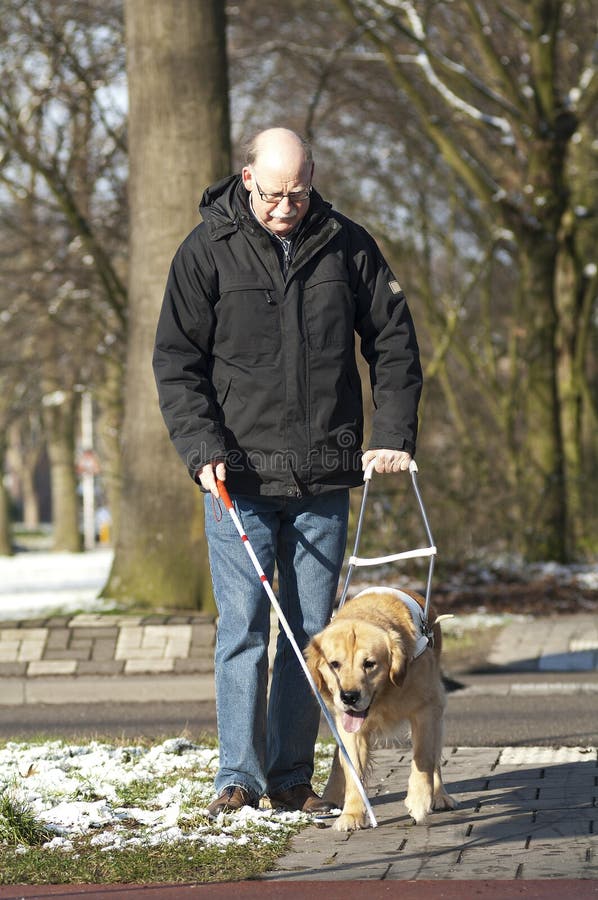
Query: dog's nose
(350, 697)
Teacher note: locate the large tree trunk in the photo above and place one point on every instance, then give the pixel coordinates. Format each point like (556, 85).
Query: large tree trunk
(30, 499)
(178, 143)
(24, 449)
(576, 285)
(59, 425)
(109, 424)
(542, 492)
(548, 301)
(569, 299)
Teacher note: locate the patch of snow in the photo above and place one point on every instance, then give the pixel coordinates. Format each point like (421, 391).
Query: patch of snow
(461, 624)
(77, 791)
(457, 102)
(36, 584)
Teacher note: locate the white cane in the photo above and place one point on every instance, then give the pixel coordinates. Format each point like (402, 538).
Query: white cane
(287, 630)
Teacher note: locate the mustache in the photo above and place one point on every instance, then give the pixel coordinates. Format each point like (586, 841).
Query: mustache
(280, 215)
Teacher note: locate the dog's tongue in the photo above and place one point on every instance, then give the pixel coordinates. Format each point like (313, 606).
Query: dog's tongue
(352, 721)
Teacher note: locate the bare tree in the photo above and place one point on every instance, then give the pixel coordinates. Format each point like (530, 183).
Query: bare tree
(62, 215)
(178, 144)
(502, 90)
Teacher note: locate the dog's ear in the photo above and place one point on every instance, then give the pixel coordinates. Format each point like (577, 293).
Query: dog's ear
(398, 659)
(313, 655)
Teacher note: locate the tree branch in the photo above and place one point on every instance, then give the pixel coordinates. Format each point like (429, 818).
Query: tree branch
(478, 180)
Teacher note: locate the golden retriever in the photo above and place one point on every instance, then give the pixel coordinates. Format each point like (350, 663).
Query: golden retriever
(366, 665)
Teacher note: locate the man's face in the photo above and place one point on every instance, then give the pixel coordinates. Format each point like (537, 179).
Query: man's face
(272, 188)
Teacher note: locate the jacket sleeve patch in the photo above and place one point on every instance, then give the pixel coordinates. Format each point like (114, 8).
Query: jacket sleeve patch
(395, 287)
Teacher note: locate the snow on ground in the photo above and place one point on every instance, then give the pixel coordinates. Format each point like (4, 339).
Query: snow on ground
(132, 796)
(34, 584)
(583, 575)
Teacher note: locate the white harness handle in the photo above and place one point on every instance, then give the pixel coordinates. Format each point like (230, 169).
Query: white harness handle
(430, 551)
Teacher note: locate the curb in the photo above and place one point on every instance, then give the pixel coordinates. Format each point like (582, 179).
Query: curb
(87, 689)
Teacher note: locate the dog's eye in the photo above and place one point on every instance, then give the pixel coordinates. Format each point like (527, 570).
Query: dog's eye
(334, 664)
(369, 664)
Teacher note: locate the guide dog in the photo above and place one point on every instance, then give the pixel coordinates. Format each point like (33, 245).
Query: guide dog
(376, 667)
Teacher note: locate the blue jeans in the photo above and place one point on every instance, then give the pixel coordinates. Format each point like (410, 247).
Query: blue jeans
(267, 745)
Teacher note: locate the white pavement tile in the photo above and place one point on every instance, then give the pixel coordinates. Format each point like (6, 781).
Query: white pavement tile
(9, 652)
(149, 665)
(545, 756)
(23, 634)
(30, 651)
(128, 639)
(52, 667)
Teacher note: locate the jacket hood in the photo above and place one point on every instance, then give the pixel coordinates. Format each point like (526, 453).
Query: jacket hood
(223, 205)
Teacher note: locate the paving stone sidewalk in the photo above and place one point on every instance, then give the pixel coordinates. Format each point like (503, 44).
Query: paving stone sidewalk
(524, 813)
(548, 644)
(92, 644)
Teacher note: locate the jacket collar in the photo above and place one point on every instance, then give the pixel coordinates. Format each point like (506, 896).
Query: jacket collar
(224, 208)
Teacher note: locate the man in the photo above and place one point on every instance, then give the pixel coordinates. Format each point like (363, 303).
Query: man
(258, 384)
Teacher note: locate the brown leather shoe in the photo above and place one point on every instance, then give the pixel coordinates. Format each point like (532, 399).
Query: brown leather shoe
(300, 798)
(231, 799)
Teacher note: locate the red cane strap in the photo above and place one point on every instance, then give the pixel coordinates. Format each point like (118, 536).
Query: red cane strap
(216, 509)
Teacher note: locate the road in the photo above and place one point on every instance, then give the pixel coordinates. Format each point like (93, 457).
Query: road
(490, 710)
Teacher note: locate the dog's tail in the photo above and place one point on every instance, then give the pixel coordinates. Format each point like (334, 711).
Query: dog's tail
(436, 632)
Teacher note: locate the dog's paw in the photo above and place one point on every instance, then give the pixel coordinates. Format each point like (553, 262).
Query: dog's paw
(417, 810)
(444, 801)
(349, 822)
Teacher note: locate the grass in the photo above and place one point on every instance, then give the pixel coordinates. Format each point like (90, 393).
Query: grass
(252, 847)
(173, 863)
(18, 825)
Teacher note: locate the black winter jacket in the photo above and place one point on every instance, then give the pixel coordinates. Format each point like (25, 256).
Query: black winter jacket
(261, 371)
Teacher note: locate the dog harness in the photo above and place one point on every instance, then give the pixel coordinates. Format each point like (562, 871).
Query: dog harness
(417, 615)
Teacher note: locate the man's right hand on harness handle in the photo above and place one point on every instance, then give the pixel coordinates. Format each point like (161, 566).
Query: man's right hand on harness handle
(387, 460)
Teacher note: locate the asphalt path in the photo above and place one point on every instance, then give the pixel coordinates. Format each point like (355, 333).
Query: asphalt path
(554, 710)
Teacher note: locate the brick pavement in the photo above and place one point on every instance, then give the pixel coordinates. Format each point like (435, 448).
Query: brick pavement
(551, 644)
(92, 644)
(525, 813)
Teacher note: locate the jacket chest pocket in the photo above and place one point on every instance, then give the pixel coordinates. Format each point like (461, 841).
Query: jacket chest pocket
(329, 310)
(247, 320)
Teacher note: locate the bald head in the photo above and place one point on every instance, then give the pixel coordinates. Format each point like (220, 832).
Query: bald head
(278, 177)
(277, 142)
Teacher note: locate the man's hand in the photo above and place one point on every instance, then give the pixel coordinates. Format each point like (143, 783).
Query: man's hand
(208, 476)
(387, 460)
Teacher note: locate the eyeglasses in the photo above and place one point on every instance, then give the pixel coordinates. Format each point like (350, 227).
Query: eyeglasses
(292, 197)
